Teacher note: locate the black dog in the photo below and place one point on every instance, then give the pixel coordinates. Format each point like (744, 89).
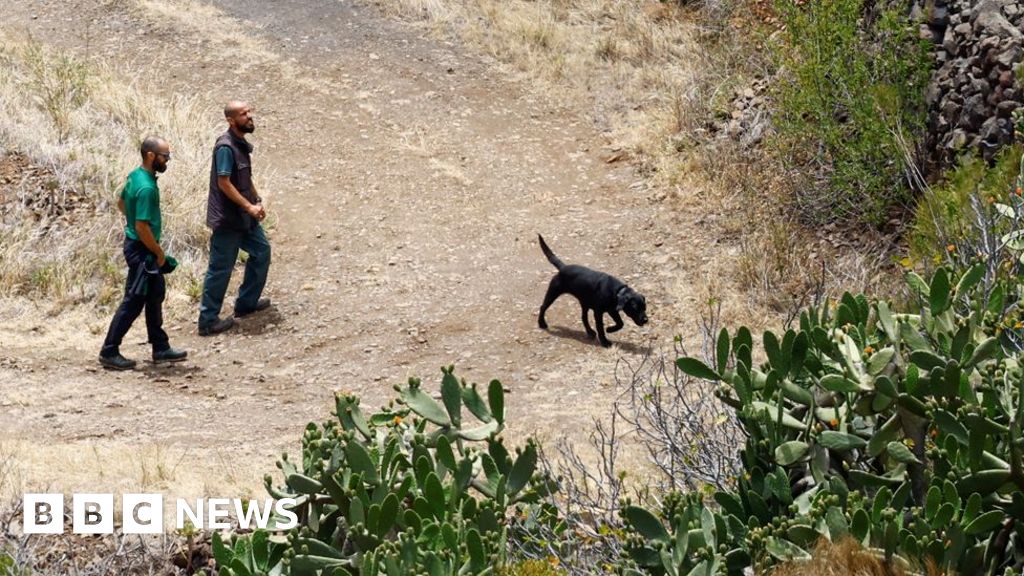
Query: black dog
(597, 291)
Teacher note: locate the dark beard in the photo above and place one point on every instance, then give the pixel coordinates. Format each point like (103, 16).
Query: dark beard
(248, 128)
(160, 167)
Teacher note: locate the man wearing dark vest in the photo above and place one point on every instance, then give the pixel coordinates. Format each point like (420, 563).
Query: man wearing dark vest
(234, 211)
(147, 262)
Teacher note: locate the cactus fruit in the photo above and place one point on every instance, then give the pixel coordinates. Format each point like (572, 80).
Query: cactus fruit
(403, 491)
(916, 411)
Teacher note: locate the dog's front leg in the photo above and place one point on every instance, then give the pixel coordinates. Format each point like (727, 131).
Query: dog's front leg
(618, 322)
(586, 322)
(599, 319)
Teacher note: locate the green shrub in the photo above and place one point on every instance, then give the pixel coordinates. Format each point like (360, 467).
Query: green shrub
(851, 93)
(60, 84)
(7, 564)
(945, 216)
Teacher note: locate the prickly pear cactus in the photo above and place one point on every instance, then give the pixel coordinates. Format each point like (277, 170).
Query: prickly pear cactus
(420, 487)
(900, 430)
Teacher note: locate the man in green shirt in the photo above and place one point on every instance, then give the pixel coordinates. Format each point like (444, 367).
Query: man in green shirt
(147, 263)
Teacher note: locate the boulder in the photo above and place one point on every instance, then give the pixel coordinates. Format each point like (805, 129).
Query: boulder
(991, 22)
(980, 85)
(949, 43)
(1008, 56)
(950, 109)
(1005, 108)
(990, 130)
(932, 94)
(974, 113)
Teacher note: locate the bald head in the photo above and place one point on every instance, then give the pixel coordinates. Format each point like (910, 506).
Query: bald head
(231, 109)
(154, 144)
(239, 117)
(156, 153)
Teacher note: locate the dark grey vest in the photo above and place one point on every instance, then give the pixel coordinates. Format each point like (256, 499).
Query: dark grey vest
(221, 212)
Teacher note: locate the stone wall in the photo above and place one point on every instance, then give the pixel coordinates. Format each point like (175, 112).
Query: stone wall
(978, 49)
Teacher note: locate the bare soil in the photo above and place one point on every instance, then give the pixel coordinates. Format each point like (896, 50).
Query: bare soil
(407, 180)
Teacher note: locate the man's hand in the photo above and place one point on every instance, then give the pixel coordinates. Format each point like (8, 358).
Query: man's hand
(256, 211)
(149, 241)
(169, 265)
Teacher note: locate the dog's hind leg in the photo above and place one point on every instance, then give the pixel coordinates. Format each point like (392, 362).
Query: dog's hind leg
(618, 322)
(586, 322)
(599, 320)
(554, 291)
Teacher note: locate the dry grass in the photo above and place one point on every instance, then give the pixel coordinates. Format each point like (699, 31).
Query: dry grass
(207, 22)
(171, 469)
(780, 263)
(652, 72)
(847, 558)
(66, 554)
(110, 466)
(88, 143)
(622, 56)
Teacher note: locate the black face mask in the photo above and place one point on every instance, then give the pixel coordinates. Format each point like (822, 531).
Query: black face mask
(159, 165)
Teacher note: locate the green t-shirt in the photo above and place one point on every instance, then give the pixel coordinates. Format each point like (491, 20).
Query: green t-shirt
(141, 202)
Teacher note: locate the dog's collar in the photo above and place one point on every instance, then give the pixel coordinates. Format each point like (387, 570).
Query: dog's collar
(621, 290)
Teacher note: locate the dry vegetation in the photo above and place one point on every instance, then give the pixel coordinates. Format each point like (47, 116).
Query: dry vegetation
(80, 127)
(660, 79)
(69, 554)
(207, 22)
(847, 558)
(641, 67)
(129, 469)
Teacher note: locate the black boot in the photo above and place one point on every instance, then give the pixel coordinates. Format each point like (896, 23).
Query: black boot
(169, 355)
(117, 362)
(218, 326)
(261, 304)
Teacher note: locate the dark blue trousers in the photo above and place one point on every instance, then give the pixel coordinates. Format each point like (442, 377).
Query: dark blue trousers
(143, 290)
(224, 247)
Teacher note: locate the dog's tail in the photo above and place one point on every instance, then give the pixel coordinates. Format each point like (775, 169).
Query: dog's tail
(551, 255)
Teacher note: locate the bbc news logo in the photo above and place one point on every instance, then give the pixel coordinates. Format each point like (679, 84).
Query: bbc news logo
(144, 513)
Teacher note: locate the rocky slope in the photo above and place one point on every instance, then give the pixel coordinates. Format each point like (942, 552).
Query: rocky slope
(975, 89)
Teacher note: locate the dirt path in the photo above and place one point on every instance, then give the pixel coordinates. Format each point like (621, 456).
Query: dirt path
(409, 180)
